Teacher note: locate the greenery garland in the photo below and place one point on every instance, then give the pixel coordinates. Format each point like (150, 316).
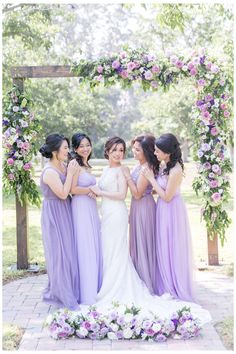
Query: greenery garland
(20, 129)
(211, 113)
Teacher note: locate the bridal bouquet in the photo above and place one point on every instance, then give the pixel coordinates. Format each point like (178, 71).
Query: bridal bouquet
(122, 322)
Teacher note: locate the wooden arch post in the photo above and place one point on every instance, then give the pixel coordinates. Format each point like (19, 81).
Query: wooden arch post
(18, 74)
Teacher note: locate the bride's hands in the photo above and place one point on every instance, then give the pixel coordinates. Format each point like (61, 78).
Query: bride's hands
(148, 173)
(96, 190)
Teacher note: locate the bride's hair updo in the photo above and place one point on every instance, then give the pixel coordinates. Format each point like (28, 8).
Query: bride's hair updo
(147, 142)
(75, 141)
(53, 143)
(169, 144)
(113, 141)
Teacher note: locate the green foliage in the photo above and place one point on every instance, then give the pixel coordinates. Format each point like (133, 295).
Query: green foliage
(20, 129)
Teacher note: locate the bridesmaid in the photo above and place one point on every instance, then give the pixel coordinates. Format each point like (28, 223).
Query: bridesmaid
(86, 221)
(173, 238)
(56, 221)
(142, 210)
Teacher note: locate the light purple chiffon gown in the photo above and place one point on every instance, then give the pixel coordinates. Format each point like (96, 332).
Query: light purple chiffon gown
(59, 247)
(87, 230)
(173, 247)
(142, 233)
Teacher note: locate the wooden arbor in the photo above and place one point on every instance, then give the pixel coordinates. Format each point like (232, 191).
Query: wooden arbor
(19, 74)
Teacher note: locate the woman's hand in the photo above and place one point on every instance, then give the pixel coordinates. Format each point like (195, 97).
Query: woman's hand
(146, 172)
(126, 172)
(96, 190)
(73, 167)
(92, 195)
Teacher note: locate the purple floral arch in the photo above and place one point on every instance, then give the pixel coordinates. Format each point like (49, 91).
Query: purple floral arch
(210, 120)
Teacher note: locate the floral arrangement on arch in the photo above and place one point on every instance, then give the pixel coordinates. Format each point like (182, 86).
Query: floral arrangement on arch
(122, 322)
(20, 129)
(211, 113)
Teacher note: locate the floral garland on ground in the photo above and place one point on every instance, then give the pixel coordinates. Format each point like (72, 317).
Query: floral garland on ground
(20, 129)
(122, 322)
(210, 115)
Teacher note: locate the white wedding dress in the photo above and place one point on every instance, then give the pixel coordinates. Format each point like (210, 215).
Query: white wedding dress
(120, 280)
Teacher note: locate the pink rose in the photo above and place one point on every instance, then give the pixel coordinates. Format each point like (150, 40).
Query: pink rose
(216, 197)
(214, 131)
(213, 183)
(123, 55)
(223, 106)
(11, 176)
(27, 166)
(193, 71)
(190, 66)
(155, 69)
(10, 161)
(99, 78)
(124, 74)
(131, 66)
(99, 69)
(226, 113)
(179, 64)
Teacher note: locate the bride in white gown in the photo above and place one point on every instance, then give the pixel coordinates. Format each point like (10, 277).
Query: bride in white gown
(120, 280)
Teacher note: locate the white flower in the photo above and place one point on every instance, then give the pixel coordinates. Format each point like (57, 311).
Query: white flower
(114, 327)
(111, 336)
(156, 327)
(128, 317)
(19, 164)
(128, 333)
(185, 68)
(83, 331)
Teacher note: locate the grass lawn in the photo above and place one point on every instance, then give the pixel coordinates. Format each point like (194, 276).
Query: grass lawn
(36, 254)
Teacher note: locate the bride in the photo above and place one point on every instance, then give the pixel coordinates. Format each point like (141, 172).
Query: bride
(120, 280)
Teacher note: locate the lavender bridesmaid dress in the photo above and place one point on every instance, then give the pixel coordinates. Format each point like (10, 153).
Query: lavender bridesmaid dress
(59, 247)
(87, 230)
(173, 247)
(142, 233)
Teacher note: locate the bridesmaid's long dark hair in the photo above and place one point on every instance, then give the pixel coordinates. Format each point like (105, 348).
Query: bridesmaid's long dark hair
(169, 144)
(147, 142)
(75, 141)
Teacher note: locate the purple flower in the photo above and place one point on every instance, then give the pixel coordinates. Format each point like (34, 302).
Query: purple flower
(202, 59)
(206, 114)
(123, 55)
(150, 332)
(148, 75)
(205, 147)
(200, 153)
(100, 69)
(207, 165)
(160, 338)
(201, 82)
(215, 168)
(208, 97)
(190, 66)
(93, 336)
(119, 334)
(5, 122)
(115, 64)
(199, 103)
